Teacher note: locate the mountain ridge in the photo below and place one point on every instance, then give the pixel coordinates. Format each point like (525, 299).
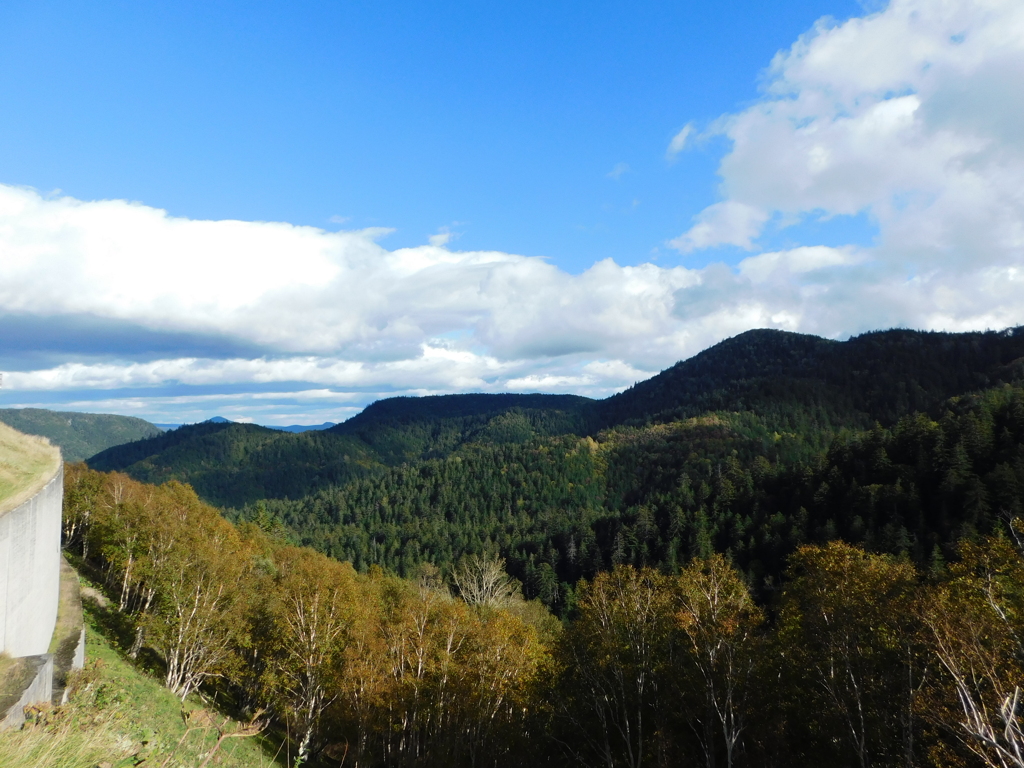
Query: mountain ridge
(78, 435)
(793, 383)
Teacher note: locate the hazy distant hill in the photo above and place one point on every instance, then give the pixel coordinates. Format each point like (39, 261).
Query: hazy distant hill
(289, 428)
(306, 427)
(79, 435)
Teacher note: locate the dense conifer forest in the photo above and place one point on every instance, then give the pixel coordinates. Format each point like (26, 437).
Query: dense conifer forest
(786, 551)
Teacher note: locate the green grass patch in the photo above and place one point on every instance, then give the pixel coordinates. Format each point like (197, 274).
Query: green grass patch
(119, 715)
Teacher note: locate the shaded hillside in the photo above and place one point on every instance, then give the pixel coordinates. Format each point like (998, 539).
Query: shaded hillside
(806, 382)
(79, 435)
(414, 428)
(805, 387)
(230, 463)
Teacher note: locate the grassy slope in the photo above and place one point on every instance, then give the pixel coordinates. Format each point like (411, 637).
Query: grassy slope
(26, 463)
(79, 435)
(119, 715)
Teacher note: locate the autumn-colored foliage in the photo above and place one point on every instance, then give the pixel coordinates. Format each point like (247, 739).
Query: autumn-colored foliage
(859, 660)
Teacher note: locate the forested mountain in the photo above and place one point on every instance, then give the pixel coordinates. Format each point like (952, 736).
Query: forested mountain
(794, 384)
(901, 442)
(785, 551)
(792, 377)
(229, 463)
(79, 435)
(566, 508)
(404, 429)
(232, 464)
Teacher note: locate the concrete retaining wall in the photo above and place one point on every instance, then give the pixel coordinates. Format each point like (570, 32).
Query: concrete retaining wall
(39, 690)
(68, 644)
(30, 564)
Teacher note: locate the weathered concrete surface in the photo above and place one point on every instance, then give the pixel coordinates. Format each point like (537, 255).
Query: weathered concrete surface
(39, 689)
(30, 564)
(37, 586)
(68, 643)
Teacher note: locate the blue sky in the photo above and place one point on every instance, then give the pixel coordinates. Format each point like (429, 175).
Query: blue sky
(486, 197)
(500, 121)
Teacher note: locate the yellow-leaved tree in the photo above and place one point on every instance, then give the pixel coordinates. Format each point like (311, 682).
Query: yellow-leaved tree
(975, 629)
(716, 621)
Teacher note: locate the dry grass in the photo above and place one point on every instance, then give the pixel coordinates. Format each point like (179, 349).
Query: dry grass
(27, 462)
(90, 730)
(74, 740)
(117, 716)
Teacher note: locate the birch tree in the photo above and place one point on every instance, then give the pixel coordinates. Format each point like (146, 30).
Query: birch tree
(975, 623)
(716, 620)
(195, 583)
(844, 626)
(611, 660)
(312, 615)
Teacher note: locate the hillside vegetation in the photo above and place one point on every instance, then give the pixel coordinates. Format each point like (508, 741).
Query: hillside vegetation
(860, 659)
(78, 435)
(231, 464)
(902, 442)
(785, 551)
(792, 383)
(26, 463)
(118, 714)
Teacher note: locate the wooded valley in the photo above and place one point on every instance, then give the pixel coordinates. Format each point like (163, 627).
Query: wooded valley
(784, 551)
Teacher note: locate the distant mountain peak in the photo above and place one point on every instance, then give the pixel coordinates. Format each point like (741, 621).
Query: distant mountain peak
(305, 427)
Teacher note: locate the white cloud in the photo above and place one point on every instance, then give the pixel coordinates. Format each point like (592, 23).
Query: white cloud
(725, 223)
(678, 143)
(442, 238)
(783, 264)
(910, 116)
(618, 171)
(600, 377)
(433, 366)
(298, 291)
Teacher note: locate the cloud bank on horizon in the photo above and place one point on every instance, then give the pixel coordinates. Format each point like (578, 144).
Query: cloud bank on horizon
(911, 116)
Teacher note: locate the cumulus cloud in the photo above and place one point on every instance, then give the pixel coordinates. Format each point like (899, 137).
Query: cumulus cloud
(299, 290)
(784, 264)
(330, 309)
(726, 223)
(909, 116)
